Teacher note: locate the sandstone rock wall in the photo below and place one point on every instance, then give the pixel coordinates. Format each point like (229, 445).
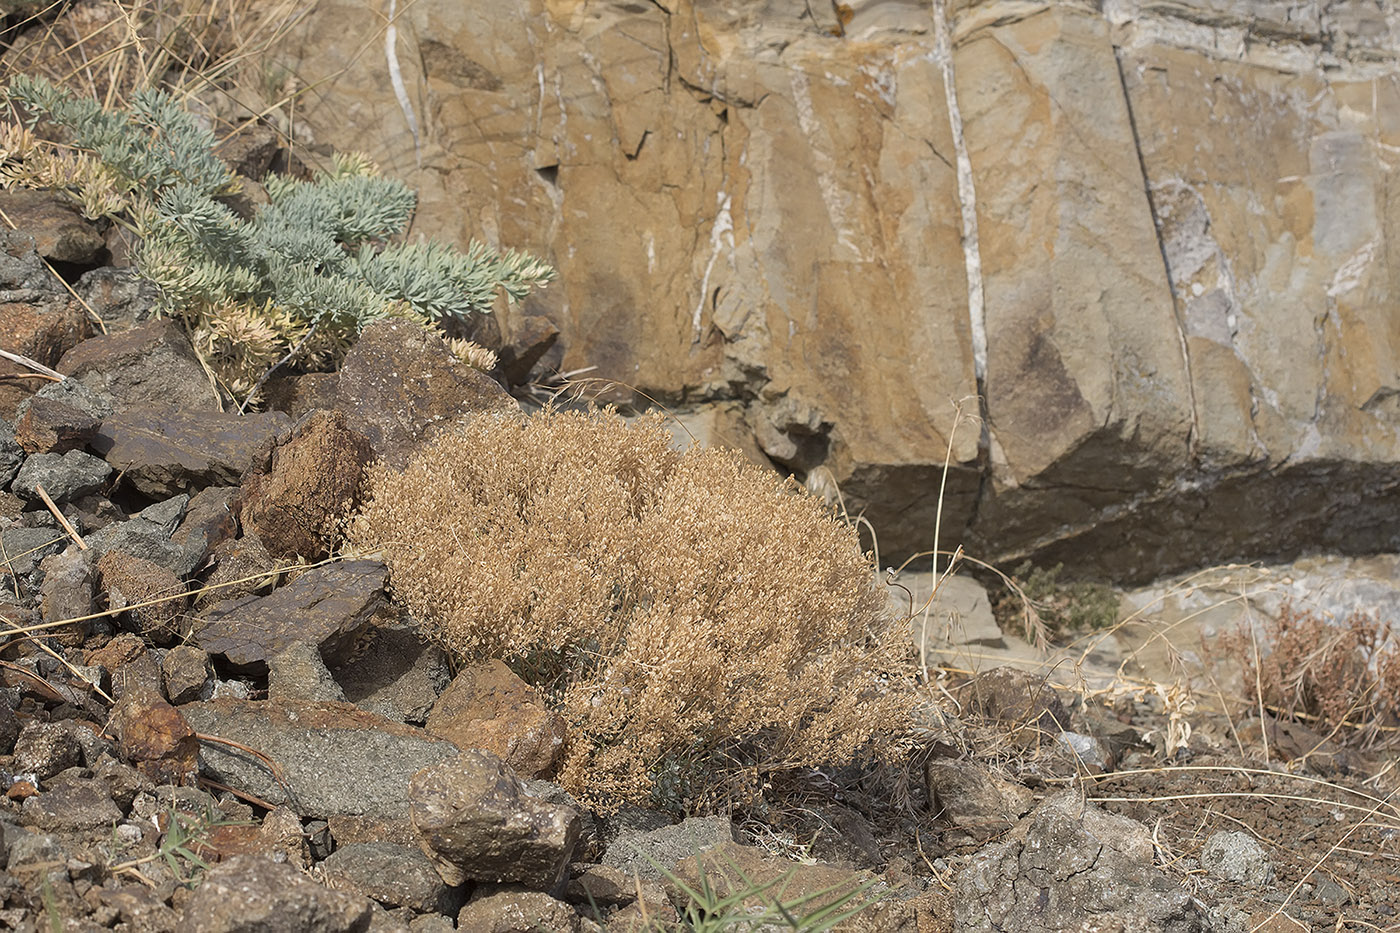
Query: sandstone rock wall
(1136, 263)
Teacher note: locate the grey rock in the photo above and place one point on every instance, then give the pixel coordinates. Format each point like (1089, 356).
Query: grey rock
(253, 894)
(148, 535)
(63, 476)
(118, 294)
(20, 265)
(26, 547)
(74, 394)
(46, 748)
(1070, 866)
(70, 584)
(11, 454)
(399, 676)
(477, 823)
(393, 875)
(298, 673)
(335, 758)
(1089, 751)
(73, 806)
(329, 607)
(186, 674)
(208, 522)
(123, 781)
(1237, 856)
(163, 450)
(640, 853)
(32, 848)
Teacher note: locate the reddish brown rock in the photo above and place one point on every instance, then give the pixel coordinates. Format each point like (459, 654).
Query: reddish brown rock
(400, 384)
(163, 450)
(49, 426)
(151, 363)
(126, 580)
(154, 737)
(329, 607)
(242, 568)
(43, 329)
(61, 233)
(129, 664)
(488, 707)
(310, 479)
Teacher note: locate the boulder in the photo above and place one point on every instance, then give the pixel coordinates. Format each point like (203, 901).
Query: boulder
(1147, 327)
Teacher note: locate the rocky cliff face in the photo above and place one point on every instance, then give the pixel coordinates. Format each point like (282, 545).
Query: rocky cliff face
(1150, 251)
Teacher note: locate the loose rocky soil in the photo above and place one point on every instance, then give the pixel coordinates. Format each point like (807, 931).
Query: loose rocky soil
(199, 734)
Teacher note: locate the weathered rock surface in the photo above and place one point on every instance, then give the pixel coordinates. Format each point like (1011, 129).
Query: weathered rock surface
(151, 363)
(54, 427)
(1071, 866)
(477, 823)
(163, 450)
(328, 607)
(253, 894)
(62, 476)
(307, 483)
(400, 384)
(488, 707)
(61, 232)
(395, 876)
(398, 675)
(1153, 239)
(332, 758)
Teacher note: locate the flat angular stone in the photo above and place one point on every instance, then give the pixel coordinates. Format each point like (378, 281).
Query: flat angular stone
(42, 327)
(153, 363)
(394, 875)
(63, 476)
(50, 426)
(328, 607)
(333, 758)
(71, 807)
(163, 450)
(488, 707)
(61, 232)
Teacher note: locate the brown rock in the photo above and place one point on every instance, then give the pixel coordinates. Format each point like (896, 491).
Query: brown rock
(61, 232)
(241, 568)
(488, 707)
(400, 384)
(974, 800)
(130, 665)
(209, 521)
(253, 894)
(309, 481)
(329, 607)
(516, 910)
(49, 426)
(476, 822)
(154, 737)
(298, 395)
(151, 363)
(184, 673)
(162, 450)
(41, 328)
(158, 594)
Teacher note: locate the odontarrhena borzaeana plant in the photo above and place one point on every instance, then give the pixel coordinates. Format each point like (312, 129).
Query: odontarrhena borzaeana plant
(304, 275)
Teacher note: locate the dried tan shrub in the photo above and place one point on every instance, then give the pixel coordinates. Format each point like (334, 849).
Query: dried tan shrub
(684, 611)
(1342, 672)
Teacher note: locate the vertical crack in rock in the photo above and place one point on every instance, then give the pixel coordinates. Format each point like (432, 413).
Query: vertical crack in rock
(1192, 436)
(967, 201)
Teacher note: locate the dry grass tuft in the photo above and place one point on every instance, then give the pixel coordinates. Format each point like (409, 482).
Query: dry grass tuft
(1343, 673)
(687, 612)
